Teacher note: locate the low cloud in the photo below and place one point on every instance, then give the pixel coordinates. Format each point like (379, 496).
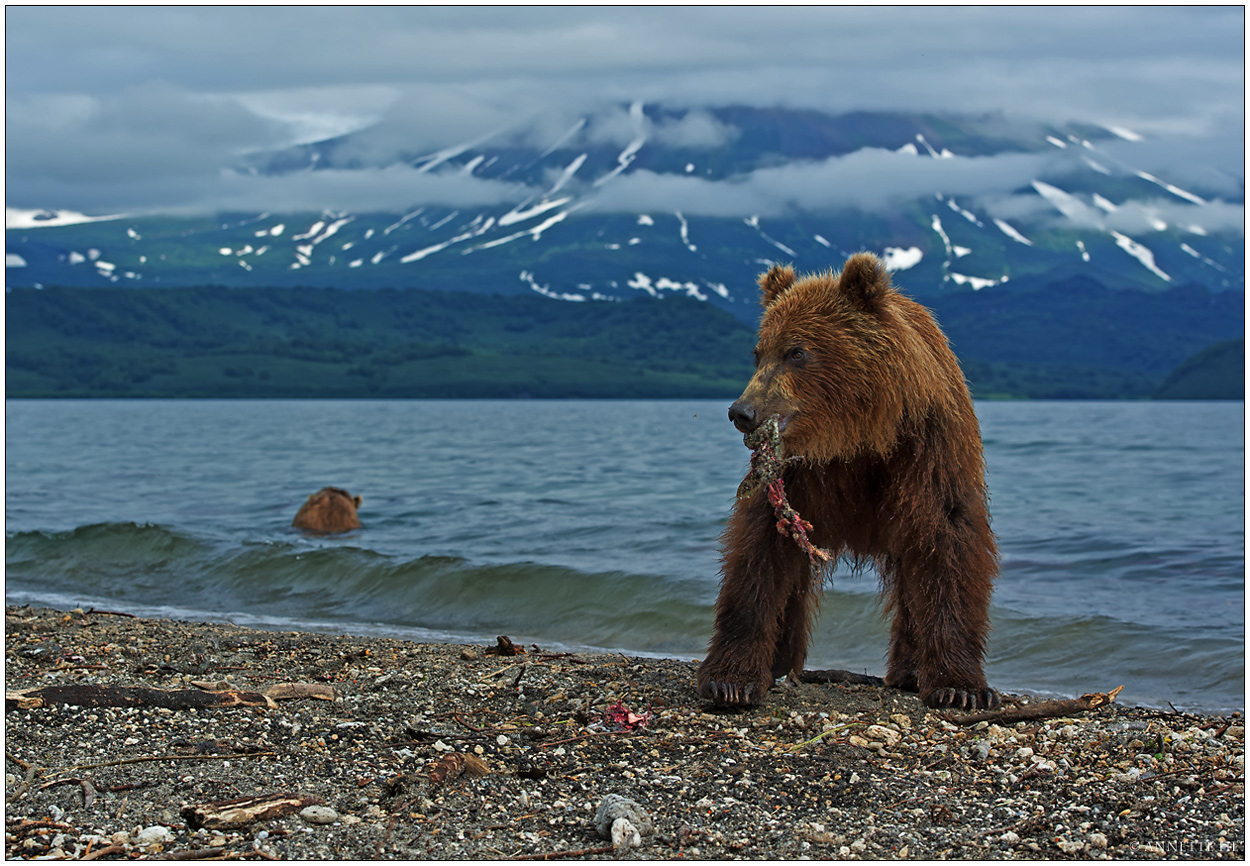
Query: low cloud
(697, 129)
(869, 179)
(392, 189)
(1135, 217)
(142, 136)
(112, 108)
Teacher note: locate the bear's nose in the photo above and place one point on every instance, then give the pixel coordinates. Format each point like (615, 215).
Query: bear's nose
(743, 417)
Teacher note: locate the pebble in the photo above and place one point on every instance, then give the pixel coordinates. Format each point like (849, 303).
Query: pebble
(624, 835)
(154, 835)
(319, 814)
(884, 734)
(613, 809)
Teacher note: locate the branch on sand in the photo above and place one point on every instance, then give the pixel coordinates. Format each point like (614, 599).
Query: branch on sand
(1039, 710)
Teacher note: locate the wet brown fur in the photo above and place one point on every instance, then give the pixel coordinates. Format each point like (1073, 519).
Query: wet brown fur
(330, 509)
(892, 474)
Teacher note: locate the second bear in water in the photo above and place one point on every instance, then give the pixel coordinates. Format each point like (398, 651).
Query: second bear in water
(330, 509)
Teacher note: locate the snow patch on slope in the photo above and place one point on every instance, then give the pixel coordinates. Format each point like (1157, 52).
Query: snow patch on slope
(966, 214)
(1200, 257)
(517, 215)
(1174, 190)
(685, 232)
(898, 259)
(644, 283)
(16, 218)
(627, 155)
(977, 283)
(1011, 232)
(937, 227)
(546, 291)
(1126, 134)
(567, 174)
(1141, 253)
(754, 222)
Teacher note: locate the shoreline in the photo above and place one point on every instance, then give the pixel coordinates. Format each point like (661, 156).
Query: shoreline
(422, 751)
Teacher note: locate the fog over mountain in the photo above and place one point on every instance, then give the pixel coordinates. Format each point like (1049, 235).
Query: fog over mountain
(136, 109)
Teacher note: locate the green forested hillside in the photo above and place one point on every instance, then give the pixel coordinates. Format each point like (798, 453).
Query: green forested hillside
(1216, 373)
(1070, 341)
(216, 342)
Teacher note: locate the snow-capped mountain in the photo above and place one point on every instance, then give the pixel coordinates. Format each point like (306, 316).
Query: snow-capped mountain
(687, 202)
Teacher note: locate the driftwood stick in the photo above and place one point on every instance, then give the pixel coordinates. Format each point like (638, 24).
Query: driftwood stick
(194, 854)
(557, 855)
(103, 852)
(294, 691)
(1039, 710)
(224, 814)
(837, 676)
(131, 696)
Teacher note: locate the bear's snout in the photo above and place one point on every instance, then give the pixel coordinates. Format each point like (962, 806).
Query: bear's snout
(744, 416)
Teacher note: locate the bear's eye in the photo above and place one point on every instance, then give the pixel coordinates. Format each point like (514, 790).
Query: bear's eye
(796, 355)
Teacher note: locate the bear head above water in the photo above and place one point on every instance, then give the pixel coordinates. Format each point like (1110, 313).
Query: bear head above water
(330, 509)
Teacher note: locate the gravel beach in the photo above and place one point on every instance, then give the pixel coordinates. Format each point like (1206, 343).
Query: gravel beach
(130, 738)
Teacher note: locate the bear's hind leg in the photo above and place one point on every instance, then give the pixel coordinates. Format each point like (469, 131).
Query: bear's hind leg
(796, 627)
(941, 623)
(901, 668)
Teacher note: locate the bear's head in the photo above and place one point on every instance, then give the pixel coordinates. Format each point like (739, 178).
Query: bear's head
(330, 509)
(832, 361)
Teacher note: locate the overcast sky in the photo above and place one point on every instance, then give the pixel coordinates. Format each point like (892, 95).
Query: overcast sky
(132, 108)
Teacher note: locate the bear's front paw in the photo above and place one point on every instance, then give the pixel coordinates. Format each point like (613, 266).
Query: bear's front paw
(730, 688)
(951, 697)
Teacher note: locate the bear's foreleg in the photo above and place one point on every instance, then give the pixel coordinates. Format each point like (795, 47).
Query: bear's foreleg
(763, 611)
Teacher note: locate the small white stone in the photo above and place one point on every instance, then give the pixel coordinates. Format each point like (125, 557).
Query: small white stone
(1097, 840)
(625, 835)
(319, 814)
(154, 835)
(883, 734)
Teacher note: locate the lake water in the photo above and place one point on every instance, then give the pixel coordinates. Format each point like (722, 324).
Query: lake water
(595, 524)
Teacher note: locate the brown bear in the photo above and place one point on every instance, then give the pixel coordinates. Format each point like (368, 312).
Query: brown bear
(330, 509)
(883, 457)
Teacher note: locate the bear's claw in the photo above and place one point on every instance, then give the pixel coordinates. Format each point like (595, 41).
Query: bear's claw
(952, 698)
(729, 694)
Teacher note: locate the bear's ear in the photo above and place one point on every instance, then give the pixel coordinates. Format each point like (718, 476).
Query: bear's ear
(357, 501)
(774, 283)
(864, 281)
